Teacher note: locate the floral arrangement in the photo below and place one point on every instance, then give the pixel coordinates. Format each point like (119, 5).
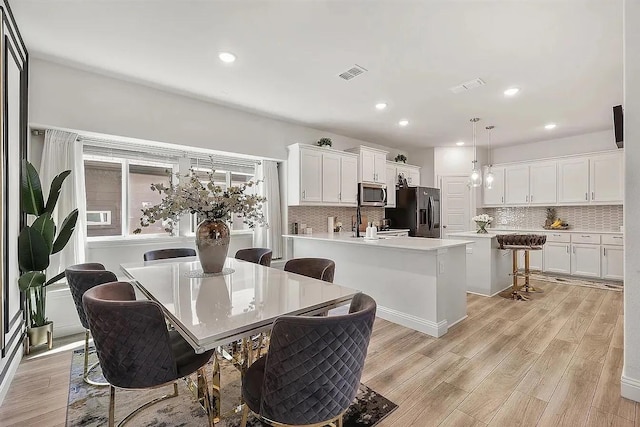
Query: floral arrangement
(482, 218)
(401, 158)
(207, 200)
(324, 142)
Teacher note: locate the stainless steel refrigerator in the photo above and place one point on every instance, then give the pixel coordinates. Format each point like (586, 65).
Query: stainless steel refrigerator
(418, 209)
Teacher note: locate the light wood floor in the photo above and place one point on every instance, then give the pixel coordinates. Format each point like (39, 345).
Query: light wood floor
(555, 360)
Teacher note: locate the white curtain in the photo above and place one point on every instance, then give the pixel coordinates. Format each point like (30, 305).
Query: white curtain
(62, 151)
(269, 237)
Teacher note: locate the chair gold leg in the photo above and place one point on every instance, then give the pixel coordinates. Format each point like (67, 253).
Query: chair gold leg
(339, 421)
(245, 416)
(87, 368)
(112, 405)
(141, 408)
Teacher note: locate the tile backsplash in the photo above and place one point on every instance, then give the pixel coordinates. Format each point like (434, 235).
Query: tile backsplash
(315, 217)
(591, 218)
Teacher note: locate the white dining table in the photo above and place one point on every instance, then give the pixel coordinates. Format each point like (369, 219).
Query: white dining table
(215, 310)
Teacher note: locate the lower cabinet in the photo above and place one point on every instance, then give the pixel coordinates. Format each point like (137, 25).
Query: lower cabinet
(557, 257)
(612, 262)
(535, 260)
(585, 260)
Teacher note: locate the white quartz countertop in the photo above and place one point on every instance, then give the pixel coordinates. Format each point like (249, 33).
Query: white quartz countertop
(393, 230)
(499, 230)
(474, 235)
(409, 243)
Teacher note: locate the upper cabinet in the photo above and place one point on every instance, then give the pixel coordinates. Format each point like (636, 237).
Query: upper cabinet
(606, 178)
(573, 180)
(543, 183)
(409, 172)
(321, 176)
(372, 165)
(494, 196)
(391, 184)
(516, 185)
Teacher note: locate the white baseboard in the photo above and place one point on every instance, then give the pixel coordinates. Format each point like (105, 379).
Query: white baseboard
(8, 378)
(630, 388)
(416, 323)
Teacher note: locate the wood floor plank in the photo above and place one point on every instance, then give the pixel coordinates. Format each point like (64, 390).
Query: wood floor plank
(476, 342)
(575, 328)
(595, 343)
(519, 410)
(460, 419)
(607, 397)
(598, 418)
(399, 373)
(545, 374)
(618, 333)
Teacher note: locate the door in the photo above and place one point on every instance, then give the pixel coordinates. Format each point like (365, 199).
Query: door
(606, 178)
(380, 166)
(349, 180)
(495, 195)
(543, 183)
(330, 177)
(557, 257)
(585, 260)
(310, 176)
(391, 186)
(367, 166)
(613, 262)
(516, 185)
(573, 180)
(414, 177)
(455, 200)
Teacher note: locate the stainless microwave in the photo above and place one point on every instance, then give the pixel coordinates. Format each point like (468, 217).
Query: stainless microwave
(372, 194)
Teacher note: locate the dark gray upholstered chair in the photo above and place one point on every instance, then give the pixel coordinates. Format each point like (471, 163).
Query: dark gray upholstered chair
(312, 371)
(81, 278)
(316, 268)
(260, 256)
(169, 253)
(134, 347)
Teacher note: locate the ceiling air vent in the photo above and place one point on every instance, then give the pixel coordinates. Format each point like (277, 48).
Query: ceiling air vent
(471, 84)
(352, 72)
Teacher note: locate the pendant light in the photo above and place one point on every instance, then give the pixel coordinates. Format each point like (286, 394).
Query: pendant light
(475, 179)
(488, 179)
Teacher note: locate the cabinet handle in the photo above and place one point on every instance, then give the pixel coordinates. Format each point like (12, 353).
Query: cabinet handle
(531, 198)
(526, 198)
(585, 236)
(586, 196)
(593, 195)
(567, 248)
(501, 199)
(617, 237)
(340, 196)
(604, 251)
(574, 249)
(304, 195)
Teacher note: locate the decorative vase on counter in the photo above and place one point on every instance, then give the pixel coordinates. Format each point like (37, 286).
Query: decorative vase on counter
(482, 227)
(212, 241)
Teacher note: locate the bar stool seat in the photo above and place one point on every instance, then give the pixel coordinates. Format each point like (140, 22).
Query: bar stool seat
(526, 243)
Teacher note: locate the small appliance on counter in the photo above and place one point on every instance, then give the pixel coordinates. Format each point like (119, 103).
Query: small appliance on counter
(385, 224)
(418, 209)
(372, 195)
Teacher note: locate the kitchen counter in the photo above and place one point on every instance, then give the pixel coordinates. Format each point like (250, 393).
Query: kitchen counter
(393, 231)
(407, 243)
(500, 230)
(417, 282)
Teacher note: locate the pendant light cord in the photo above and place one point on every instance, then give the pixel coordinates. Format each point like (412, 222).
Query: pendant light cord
(490, 155)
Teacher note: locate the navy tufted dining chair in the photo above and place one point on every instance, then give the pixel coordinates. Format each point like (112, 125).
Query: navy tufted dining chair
(316, 268)
(260, 256)
(169, 253)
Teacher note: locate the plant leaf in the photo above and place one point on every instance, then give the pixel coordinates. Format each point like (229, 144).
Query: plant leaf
(54, 279)
(31, 190)
(67, 229)
(46, 227)
(31, 279)
(33, 253)
(54, 192)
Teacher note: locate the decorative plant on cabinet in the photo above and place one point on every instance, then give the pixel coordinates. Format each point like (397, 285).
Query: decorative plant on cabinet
(36, 244)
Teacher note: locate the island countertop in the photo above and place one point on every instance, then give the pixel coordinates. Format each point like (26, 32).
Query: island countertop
(408, 243)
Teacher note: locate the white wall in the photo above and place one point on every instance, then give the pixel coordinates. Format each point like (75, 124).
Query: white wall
(586, 143)
(631, 370)
(456, 160)
(423, 157)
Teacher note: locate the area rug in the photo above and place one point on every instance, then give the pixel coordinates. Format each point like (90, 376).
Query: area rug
(89, 405)
(575, 281)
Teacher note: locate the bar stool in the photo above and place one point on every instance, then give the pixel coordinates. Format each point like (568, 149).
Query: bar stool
(526, 243)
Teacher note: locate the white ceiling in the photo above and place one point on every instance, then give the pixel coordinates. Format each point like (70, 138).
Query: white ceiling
(566, 56)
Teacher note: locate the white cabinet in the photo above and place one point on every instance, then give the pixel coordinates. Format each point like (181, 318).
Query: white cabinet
(495, 195)
(557, 257)
(535, 260)
(612, 262)
(585, 260)
(391, 185)
(310, 176)
(573, 180)
(372, 164)
(348, 180)
(414, 177)
(516, 185)
(331, 177)
(543, 183)
(606, 178)
(409, 172)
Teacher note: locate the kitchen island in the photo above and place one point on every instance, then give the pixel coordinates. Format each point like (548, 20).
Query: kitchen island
(417, 282)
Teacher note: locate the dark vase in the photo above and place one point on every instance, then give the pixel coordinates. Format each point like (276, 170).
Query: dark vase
(212, 241)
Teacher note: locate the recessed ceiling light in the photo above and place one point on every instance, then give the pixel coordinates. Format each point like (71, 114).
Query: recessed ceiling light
(381, 105)
(227, 57)
(511, 91)
(550, 126)
(403, 122)
(460, 143)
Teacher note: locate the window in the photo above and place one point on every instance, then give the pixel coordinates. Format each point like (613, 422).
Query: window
(103, 182)
(140, 195)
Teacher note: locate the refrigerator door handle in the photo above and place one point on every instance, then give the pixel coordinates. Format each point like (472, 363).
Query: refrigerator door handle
(429, 217)
(433, 211)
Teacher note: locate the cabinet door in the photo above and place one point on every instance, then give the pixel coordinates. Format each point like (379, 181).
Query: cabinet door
(606, 178)
(310, 176)
(403, 171)
(585, 260)
(573, 180)
(414, 177)
(331, 178)
(349, 180)
(535, 260)
(543, 183)
(557, 258)
(391, 186)
(516, 185)
(380, 166)
(495, 195)
(367, 166)
(613, 262)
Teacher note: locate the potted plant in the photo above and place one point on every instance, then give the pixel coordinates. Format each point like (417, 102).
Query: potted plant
(36, 244)
(213, 206)
(401, 158)
(324, 142)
